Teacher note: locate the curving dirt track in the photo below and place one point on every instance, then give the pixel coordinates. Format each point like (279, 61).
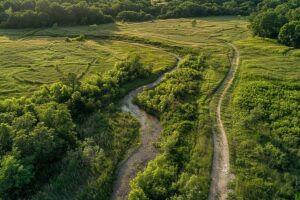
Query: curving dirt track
(150, 131)
(220, 174)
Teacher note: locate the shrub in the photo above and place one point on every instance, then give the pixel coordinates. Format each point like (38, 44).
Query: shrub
(290, 34)
(267, 24)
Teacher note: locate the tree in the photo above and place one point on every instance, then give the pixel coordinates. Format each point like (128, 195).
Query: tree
(26, 122)
(71, 80)
(44, 19)
(28, 5)
(290, 34)
(132, 16)
(294, 14)
(58, 117)
(13, 176)
(267, 24)
(40, 144)
(59, 14)
(42, 6)
(5, 138)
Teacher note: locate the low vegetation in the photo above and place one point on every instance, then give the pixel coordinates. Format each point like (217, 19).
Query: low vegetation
(262, 120)
(178, 172)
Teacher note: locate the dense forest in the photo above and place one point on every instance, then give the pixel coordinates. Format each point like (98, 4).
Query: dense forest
(58, 129)
(278, 20)
(42, 13)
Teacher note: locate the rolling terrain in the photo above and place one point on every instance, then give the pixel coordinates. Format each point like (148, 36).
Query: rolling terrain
(222, 124)
(46, 60)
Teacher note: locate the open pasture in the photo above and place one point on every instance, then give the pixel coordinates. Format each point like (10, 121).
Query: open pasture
(30, 58)
(172, 31)
(30, 62)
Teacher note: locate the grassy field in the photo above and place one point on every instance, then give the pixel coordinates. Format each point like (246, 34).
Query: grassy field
(30, 58)
(207, 36)
(30, 62)
(172, 31)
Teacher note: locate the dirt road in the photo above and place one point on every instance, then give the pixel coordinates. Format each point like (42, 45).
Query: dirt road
(221, 175)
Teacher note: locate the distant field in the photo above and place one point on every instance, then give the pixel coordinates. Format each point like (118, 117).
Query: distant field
(205, 33)
(29, 58)
(30, 62)
(207, 36)
(171, 31)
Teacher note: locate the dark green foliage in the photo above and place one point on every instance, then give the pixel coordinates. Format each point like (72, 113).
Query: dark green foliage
(279, 20)
(107, 137)
(129, 70)
(5, 138)
(14, 175)
(267, 24)
(266, 147)
(42, 13)
(290, 34)
(54, 134)
(132, 16)
(177, 173)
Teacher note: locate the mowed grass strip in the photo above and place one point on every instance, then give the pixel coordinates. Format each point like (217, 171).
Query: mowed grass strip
(267, 60)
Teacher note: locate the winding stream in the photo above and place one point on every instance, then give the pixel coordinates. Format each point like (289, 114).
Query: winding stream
(149, 133)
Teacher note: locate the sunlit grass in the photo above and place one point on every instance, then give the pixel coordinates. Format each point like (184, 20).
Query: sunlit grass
(30, 62)
(267, 60)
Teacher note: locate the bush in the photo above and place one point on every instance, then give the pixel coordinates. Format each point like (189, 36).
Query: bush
(80, 38)
(93, 27)
(290, 34)
(177, 173)
(267, 24)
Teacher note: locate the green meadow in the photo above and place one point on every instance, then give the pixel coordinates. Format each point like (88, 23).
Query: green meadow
(27, 63)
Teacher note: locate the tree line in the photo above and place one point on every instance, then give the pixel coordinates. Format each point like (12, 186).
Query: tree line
(45, 13)
(55, 135)
(278, 20)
